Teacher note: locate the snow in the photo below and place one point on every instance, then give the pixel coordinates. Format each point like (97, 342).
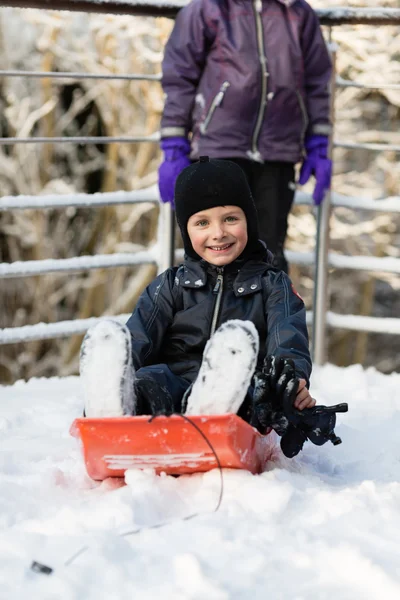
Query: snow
(387, 264)
(23, 202)
(325, 524)
(77, 263)
(45, 331)
(151, 194)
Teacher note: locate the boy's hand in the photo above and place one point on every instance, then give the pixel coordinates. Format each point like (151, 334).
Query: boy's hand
(283, 402)
(303, 397)
(275, 389)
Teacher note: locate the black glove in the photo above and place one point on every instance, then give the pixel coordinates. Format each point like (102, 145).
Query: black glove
(274, 395)
(317, 423)
(275, 387)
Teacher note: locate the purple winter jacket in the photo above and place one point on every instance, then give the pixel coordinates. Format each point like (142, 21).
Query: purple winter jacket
(248, 78)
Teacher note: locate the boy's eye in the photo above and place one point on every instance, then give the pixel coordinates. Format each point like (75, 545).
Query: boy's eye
(231, 218)
(202, 223)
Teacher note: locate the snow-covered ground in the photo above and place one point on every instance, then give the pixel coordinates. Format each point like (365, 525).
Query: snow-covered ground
(323, 525)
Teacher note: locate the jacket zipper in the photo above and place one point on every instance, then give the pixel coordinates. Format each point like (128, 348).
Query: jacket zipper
(305, 118)
(214, 104)
(218, 289)
(257, 6)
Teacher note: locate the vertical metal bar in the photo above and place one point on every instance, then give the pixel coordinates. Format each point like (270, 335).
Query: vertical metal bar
(166, 237)
(322, 246)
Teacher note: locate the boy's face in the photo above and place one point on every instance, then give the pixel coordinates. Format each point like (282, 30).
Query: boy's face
(218, 235)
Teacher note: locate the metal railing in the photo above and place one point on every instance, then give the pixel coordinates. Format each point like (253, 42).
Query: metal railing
(163, 253)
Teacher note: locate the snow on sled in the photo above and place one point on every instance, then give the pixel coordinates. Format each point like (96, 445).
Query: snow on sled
(170, 444)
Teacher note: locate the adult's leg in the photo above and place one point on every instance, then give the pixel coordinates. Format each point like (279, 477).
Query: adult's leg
(273, 188)
(158, 390)
(287, 189)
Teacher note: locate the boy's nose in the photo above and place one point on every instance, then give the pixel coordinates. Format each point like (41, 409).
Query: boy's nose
(218, 232)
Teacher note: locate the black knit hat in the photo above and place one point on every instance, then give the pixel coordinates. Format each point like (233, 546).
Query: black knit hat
(209, 183)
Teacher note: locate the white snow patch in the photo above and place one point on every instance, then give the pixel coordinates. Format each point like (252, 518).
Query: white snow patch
(325, 524)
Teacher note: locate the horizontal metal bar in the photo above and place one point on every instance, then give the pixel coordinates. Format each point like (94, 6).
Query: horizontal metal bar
(371, 264)
(368, 146)
(53, 201)
(151, 194)
(359, 323)
(30, 268)
(49, 331)
(363, 323)
(118, 7)
(340, 82)
(327, 16)
(33, 268)
(391, 204)
(72, 75)
(155, 137)
(343, 15)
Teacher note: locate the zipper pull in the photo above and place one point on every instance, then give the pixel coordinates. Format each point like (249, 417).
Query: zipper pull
(220, 278)
(217, 286)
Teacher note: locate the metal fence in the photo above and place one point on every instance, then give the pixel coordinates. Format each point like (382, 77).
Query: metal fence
(163, 254)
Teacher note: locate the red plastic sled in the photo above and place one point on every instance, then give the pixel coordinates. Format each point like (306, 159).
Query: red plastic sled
(169, 444)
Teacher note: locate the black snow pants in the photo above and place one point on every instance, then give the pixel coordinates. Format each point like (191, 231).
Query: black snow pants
(272, 185)
(159, 391)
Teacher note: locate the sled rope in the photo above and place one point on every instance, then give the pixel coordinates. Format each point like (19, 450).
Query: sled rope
(46, 570)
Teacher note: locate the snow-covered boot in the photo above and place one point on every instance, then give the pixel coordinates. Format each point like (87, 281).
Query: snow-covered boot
(229, 360)
(106, 370)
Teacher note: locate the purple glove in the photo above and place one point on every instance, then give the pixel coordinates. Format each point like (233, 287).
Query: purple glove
(318, 164)
(176, 158)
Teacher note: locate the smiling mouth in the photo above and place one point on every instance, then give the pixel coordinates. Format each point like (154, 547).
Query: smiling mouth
(220, 248)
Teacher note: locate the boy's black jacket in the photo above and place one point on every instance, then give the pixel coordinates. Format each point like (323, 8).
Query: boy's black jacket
(171, 323)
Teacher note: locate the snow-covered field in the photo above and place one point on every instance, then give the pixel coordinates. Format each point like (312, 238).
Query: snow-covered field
(324, 525)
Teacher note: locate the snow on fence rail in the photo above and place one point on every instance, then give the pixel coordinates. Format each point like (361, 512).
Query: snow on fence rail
(169, 8)
(85, 263)
(29, 268)
(149, 194)
(42, 331)
(47, 331)
(339, 15)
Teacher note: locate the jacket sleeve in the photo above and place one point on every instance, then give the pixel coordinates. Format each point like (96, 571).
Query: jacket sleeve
(317, 74)
(287, 335)
(151, 318)
(184, 58)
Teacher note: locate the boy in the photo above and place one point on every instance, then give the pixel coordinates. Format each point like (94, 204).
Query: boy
(248, 80)
(200, 331)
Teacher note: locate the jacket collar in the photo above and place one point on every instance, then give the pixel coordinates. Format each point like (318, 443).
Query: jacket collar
(246, 275)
